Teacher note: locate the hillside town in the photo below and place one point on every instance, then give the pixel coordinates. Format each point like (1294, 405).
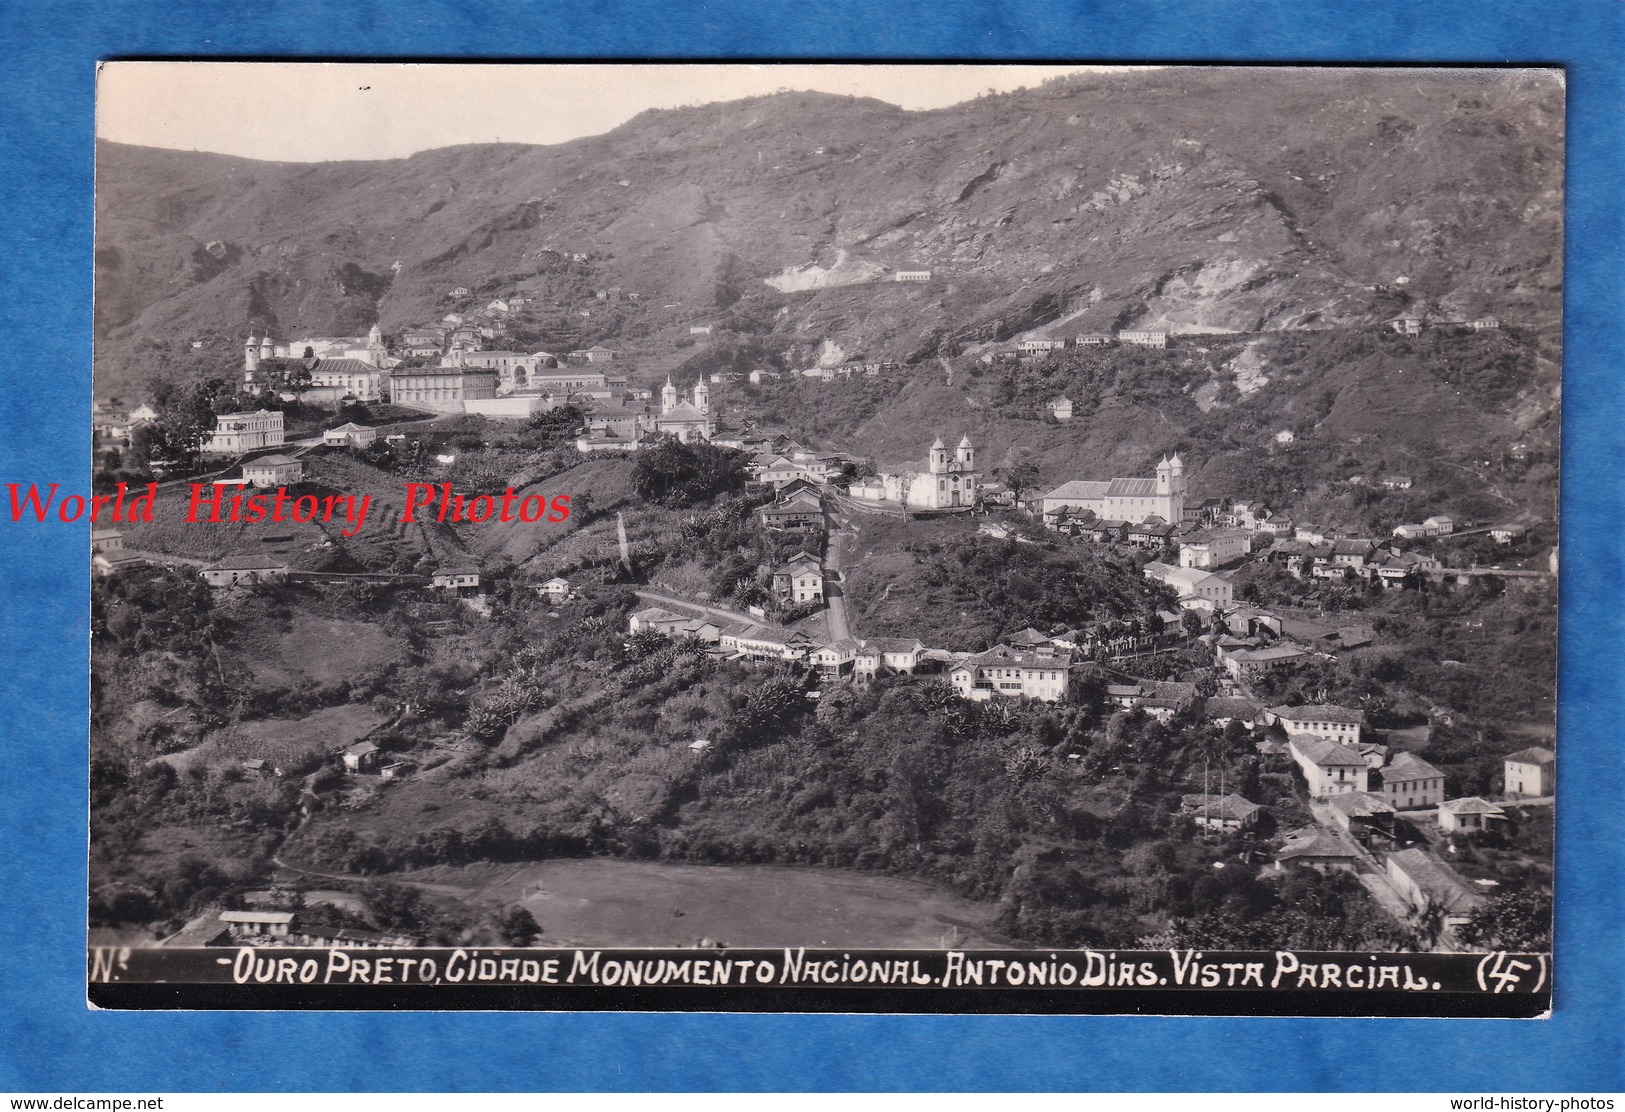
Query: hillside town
(1117, 627)
(1379, 812)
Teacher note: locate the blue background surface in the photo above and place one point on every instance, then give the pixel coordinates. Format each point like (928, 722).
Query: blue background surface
(50, 1042)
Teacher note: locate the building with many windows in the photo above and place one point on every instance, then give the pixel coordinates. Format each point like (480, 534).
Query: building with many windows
(441, 389)
(1328, 767)
(1131, 500)
(243, 432)
(1410, 783)
(1002, 670)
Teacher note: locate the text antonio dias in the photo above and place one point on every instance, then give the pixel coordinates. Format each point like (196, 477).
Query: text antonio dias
(223, 503)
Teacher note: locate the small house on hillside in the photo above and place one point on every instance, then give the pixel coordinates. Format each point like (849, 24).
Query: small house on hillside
(361, 757)
(1314, 848)
(258, 924)
(1531, 773)
(235, 570)
(272, 470)
(462, 578)
(1469, 816)
(1228, 813)
(349, 435)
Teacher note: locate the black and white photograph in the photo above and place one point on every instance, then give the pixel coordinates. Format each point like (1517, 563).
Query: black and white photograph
(1022, 538)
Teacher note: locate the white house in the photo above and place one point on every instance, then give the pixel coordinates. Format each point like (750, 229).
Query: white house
(1197, 589)
(879, 655)
(273, 471)
(766, 642)
(1041, 344)
(801, 580)
(349, 435)
(834, 658)
(1061, 409)
(1409, 783)
(1210, 550)
(557, 588)
(1531, 773)
(1328, 767)
(1245, 664)
(234, 570)
(1319, 720)
(461, 578)
(1469, 815)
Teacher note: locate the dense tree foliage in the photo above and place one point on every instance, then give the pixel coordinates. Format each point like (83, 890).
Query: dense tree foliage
(678, 473)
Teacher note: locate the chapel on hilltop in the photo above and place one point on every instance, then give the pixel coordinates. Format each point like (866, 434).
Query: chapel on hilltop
(950, 481)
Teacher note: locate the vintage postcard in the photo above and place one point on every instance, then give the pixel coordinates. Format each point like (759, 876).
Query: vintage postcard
(806, 538)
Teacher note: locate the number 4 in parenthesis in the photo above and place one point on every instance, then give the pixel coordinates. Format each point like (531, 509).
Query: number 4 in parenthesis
(1501, 972)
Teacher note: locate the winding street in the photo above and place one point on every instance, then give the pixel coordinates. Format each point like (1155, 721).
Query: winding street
(840, 623)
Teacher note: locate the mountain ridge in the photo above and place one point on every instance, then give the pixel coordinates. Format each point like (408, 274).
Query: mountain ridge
(1189, 199)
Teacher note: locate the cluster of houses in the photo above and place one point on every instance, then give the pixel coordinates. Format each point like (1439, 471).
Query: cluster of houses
(112, 422)
(1154, 513)
(1361, 788)
(633, 422)
(1043, 345)
(1412, 325)
(283, 928)
(843, 371)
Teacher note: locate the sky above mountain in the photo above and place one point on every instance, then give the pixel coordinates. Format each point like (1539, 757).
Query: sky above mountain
(317, 112)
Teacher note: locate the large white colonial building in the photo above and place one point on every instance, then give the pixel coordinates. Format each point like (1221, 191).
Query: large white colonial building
(1002, 670)
(243, 432)
(328, 367)
(441, 389)
(1130, 500)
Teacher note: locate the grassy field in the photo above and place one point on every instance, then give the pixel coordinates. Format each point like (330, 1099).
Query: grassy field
(611, 902)
(311, 649)
(600, 485)
(278, 740)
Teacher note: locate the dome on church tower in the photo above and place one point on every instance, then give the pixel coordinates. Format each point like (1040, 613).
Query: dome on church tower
(964, 441)
(938, 444)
